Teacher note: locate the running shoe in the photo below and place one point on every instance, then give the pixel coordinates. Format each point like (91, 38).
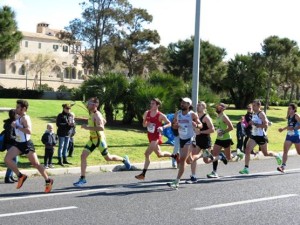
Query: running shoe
(280, 169)
(140, 176)
(48, 186)
(212, 175)
(80, 183)
(127, 162)
(174, 184)
(21, 181)
(223, 158)
(279, 159)
(192, 180)
(244, 171)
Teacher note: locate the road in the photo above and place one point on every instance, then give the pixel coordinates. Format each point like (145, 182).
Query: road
(263, 197)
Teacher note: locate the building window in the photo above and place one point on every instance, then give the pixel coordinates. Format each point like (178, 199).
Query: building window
(55, 47)
(40, 45)
(65, 48)
(26, 44)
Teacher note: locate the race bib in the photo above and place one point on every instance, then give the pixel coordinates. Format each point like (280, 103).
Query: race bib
(291, 132)
(220, 133)
(183, 130)
(18, 138)
(151, 128)
(254, 131)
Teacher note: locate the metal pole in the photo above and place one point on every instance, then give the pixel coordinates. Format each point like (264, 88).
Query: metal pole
(26, 76)
(196, 56)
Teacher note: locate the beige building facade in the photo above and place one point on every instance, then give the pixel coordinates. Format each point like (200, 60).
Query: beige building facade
(43, 59)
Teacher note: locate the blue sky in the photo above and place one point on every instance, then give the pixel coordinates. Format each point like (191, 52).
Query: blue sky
(239, 26)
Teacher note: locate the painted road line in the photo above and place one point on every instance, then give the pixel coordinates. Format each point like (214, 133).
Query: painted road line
(37, 211)
(55, 194)
(245, 202)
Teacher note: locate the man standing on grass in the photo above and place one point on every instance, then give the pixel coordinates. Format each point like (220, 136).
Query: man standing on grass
(97, 140)
(23, 145)
(153, 120)
(259, 123)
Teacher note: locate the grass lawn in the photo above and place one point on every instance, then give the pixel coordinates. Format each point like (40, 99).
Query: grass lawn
(122, 140)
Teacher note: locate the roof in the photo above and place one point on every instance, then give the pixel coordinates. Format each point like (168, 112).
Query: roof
(39, 35)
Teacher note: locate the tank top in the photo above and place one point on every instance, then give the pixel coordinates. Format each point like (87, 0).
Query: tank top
(92, 123)
(21, 136)
(221, 126)
(154, 122)
(257, 131)
(204, 126)
(186, 130)
(292, 122)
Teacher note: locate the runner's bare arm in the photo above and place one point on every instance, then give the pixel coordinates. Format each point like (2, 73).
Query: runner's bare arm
(227, 121)
(145, 122)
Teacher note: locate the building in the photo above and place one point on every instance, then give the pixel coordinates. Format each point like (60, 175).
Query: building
(43, 59)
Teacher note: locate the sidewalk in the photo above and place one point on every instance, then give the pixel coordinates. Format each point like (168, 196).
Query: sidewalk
(115, 167)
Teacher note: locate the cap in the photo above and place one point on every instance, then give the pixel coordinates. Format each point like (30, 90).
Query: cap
(66, 105)
(187, 100)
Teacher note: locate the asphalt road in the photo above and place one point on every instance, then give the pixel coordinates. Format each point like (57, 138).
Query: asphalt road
(263, 197)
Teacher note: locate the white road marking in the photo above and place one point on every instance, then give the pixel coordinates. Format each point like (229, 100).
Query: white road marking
(37, 211)
(55, 194)
(245, 202)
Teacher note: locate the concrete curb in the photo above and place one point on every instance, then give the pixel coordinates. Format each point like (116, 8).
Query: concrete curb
(115, 168)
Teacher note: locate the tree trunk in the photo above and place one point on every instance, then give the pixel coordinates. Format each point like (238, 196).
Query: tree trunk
(292, 92)
(108, 109)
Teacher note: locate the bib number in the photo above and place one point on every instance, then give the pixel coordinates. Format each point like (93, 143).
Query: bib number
(183, 130)
(151, 128)
(290, 132)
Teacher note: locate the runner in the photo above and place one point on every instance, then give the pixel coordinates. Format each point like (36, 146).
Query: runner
(203, 142)
(97, 140)
(223, 140)
(292, 136)
(258, 136)
(153, 119)
(185, 120)
(23, 145)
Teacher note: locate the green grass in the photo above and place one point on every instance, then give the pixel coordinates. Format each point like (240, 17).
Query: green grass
(122, 140)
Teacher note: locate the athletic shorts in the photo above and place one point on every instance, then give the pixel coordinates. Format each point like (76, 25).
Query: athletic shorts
(203, 141)
(224, 143)
(260, 140)
(184, 142)
(99, 143)
(155, 137)
(25, 147)
(295, 139)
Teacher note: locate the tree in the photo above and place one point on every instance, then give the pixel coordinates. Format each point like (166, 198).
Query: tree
(133, 42)
(10, 37)
(275, 49)
(101, 20)
(245, 79)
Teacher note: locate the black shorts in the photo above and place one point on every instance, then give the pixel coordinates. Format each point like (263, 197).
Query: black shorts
(184, 142)
(25, 147)
(224, 143)
(260, 140)
(203, 141)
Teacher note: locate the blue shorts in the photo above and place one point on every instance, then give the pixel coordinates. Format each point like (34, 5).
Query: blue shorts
(293, 138)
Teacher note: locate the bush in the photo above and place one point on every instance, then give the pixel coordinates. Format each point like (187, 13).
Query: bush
(20, 93)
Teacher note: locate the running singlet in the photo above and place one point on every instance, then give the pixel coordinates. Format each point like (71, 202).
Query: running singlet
(292, 122)
(205, 127)
(186, 130)
(21, 136)
(257, 131)
(221, 126)
(154, 123)
(92, 123)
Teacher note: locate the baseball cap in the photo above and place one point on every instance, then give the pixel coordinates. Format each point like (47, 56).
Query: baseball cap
(187, 100)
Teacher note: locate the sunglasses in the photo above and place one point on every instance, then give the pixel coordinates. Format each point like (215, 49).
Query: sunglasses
(67, 108)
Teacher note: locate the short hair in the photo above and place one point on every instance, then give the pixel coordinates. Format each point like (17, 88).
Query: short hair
(23, 103)
(158, 102)
(257, 101)
(49, 125)
(94, 100)
(294, 106)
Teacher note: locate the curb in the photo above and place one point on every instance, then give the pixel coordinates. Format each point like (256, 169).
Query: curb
(115, 168)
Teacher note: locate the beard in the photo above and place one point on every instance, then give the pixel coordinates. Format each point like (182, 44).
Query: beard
(183, 108)
(218, 111)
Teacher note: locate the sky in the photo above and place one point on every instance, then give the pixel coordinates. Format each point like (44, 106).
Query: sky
(239, 26)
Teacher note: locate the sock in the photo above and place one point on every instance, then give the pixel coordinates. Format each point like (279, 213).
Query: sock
(144, 171)
(82, 177)
(283, 165)
(246, 166)
(215, 165)
(20, 175)
(177, 181)
(48, 180)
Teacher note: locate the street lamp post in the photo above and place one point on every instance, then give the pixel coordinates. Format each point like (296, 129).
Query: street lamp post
(27, 62)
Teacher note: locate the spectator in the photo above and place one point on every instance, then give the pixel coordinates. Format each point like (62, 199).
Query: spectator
(49, 139)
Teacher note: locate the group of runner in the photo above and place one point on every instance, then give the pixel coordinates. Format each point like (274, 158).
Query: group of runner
(194, 129)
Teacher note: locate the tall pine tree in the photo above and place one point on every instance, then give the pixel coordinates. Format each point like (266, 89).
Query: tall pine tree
(10, 37)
